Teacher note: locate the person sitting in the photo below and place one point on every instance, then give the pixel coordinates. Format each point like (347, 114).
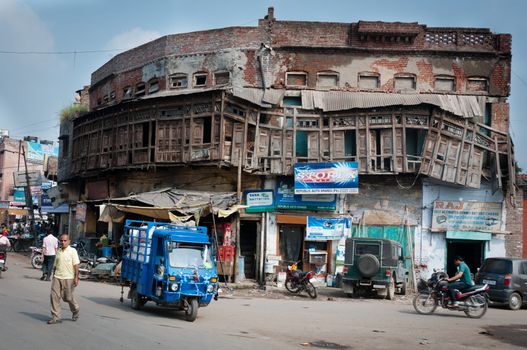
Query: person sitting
(461, 280)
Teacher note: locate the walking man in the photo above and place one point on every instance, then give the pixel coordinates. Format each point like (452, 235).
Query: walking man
(65, 279)
(50, 244)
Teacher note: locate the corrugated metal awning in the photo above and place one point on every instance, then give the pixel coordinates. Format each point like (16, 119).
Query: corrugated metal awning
(466, 106)
(331, 101)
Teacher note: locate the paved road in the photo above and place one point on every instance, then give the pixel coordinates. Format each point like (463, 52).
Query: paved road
(240, 321)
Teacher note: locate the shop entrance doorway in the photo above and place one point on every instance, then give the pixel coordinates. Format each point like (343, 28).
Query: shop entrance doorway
(291, 243)
(248, 239)
(471, 251)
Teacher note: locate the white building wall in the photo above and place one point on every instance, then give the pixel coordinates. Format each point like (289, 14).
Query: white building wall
(431, 248)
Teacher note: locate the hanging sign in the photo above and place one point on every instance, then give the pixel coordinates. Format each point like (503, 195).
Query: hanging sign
(327, 229)
(466, 216)
(335, 177)
(259, 201)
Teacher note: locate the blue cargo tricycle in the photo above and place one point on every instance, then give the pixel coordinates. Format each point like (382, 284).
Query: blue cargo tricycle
(170, 265)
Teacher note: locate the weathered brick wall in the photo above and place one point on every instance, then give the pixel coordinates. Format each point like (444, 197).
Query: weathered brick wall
(514, 224)
(348, 48)
(500, 116)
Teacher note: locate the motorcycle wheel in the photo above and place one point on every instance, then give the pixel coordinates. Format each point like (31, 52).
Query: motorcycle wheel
(37, 261)
(292, 287)
(84, 270)
(311, 290)
(192, 310)
(476, 306)
(424, 303)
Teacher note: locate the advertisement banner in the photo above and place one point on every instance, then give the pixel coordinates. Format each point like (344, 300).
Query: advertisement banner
(466, 216)
(80, 212)
(335, 177)
(36, 151)
(327, 229)
(287, 199)
(259, 201)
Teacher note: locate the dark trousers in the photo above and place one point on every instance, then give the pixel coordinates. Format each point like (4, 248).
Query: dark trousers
(456, 285)
(47, 265)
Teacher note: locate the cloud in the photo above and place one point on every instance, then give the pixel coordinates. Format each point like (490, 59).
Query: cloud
(22, 29)
(131, 38)
(28, 81)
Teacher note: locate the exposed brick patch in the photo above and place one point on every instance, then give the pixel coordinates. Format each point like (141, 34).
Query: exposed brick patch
(500, 116)
(398, 65)
(460, 76)
(500, 78)
(514, 223)
(426, 72)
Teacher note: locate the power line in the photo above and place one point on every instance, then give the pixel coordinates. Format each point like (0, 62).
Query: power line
(6, 52)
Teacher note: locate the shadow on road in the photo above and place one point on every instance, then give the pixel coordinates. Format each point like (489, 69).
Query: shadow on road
(149, 310)
(513, 334)
(38, 317)
(457, 314)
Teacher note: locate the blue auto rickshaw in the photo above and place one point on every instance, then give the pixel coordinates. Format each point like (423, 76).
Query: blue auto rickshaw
(170, 265)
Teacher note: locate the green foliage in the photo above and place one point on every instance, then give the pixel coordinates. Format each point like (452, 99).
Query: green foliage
(73, 111)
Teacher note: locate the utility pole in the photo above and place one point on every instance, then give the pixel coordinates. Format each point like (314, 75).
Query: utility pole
(29, 197)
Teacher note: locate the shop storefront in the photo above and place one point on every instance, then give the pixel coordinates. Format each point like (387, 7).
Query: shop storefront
(464, 222)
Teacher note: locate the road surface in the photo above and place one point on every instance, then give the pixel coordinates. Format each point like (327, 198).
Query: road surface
(240, 321)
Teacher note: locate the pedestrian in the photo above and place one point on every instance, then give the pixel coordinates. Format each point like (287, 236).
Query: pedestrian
(65, 279)
(50, 244)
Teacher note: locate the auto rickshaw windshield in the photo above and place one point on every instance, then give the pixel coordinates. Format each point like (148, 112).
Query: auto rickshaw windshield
(189, 255)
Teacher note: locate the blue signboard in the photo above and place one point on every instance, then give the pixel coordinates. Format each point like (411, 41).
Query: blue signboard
(336, 177)
(327, 229)
(287, 199)
(259, 201)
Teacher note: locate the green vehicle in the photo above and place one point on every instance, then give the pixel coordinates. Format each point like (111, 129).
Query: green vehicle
(374, 265)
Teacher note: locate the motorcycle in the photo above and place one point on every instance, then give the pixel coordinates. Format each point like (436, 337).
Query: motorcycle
(473, 301)
(37, 258)
(3, 258)
(297, 281)
(96, 267)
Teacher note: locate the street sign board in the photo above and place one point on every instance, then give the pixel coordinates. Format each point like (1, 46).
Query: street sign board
(35, 178)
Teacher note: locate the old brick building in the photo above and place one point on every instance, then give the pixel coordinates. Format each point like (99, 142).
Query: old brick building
(422, 110)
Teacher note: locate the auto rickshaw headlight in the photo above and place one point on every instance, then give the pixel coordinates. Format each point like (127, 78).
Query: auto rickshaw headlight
(174, 287)
(210, 288)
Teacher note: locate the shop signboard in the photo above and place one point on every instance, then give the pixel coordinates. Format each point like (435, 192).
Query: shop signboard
(334, 177)
(259, 201)
(327, 229)
(466, 216)
(288, 200)
(4, 204)
(19, 197)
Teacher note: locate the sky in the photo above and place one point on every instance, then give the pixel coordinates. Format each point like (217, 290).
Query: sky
(35, 87)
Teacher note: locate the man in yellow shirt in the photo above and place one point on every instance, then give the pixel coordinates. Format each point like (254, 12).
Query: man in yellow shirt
(65, 279)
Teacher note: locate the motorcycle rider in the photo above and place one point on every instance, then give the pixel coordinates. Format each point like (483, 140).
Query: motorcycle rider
(4, 245)
(461, 280)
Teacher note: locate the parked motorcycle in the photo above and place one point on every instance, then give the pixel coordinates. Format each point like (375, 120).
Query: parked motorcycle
(37, 258)
(96, 267)
(297, 281)
(472, 301)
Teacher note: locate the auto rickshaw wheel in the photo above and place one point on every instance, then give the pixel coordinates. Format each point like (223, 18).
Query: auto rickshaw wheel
(191, 312)
(136, 300)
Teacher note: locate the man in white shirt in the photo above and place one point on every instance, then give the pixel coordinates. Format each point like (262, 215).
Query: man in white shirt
(50, 244)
